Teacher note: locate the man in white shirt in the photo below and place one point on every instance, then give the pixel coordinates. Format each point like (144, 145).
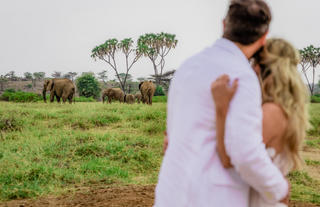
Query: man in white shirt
(191, 173)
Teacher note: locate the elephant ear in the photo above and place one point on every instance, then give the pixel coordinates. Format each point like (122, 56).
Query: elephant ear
(50, 85)
(140, 85)
(45, 84)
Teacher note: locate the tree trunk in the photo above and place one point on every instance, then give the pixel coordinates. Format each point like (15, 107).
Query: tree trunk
(313, 70)
(157, 78)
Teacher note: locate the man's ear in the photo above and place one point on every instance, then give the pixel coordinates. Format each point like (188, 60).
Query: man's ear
(224, 24)
(263, 39)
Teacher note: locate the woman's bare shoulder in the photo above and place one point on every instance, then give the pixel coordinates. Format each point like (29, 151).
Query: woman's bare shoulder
(275, 121)
(273, 108)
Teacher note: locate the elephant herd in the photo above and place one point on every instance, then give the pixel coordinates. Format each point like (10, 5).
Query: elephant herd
(147, 89)
(63, 88)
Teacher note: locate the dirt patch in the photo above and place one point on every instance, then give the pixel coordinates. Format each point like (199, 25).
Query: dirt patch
(125, 196)
(128, 196)
(312, 154)
(299, 204)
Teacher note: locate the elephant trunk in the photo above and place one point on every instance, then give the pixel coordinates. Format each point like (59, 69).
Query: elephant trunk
(74, 95)
(44, 95)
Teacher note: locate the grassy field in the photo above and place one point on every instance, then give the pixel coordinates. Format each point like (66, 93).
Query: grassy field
(51, 148)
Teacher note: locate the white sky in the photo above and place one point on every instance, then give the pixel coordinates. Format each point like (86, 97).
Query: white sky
(48, 35)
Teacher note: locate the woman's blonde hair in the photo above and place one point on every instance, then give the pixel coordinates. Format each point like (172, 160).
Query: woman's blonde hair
(286, 88)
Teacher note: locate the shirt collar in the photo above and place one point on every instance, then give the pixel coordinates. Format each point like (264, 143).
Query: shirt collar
(231, 47)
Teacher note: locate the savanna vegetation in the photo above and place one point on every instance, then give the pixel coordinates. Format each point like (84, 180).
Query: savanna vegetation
(54, 148)
(51, 148)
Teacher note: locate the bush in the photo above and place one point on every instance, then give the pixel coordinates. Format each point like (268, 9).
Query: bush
(29, 85)
(315, 99)
(88, 85)
(10, 90)
(159, 99)
(159, 91)
(20, 96)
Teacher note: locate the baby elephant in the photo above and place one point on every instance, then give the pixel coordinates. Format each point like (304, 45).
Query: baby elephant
(138, 97)
(113, 94)
(129, 98)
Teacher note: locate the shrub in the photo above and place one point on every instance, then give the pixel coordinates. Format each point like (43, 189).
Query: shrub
(10, 90)
(10, 123)
(88, 85)
(315, 99)
(20, 96)
(29, 85)
(159, 91)
(159, 99)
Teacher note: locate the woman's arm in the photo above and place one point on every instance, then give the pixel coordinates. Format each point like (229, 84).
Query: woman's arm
(222, 95)
(220, 128)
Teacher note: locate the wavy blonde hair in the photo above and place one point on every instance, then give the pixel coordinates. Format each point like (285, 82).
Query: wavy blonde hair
(284, 86)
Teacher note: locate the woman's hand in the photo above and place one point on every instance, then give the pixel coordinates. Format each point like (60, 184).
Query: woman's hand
(222, 93)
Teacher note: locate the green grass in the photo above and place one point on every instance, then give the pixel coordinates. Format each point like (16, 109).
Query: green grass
(45, 148)
(315, 121)
(312, 162)
(49, 148)
(304, 188)
(159, 99)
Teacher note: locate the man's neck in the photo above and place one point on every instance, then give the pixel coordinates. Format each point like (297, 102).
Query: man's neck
(247, 50)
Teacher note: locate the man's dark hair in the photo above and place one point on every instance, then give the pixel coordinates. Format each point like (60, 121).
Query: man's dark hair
(247, 21)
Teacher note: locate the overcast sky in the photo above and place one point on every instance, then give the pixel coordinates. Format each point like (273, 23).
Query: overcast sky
(49, 35)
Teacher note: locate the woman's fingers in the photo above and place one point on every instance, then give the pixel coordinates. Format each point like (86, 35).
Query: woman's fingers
(234, 87)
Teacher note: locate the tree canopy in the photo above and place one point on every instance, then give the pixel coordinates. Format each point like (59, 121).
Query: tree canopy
(56, 74)
(108, 50)
(156, 47)
(310, 59)
(28, 75)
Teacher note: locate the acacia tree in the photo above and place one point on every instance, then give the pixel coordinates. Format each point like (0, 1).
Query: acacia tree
(56, 74)
(103, 76)
(156, 47)
(141, 79)
(37, 76)
(310, 59)
(28, 75)
(3, 80)
(11, 76)
(70, 75)
(128, 79)
(107, 52)
(165, 78)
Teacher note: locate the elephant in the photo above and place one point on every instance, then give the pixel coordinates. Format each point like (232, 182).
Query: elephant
(59, 87)
(147, 89)
(113, 93)
(129, 98)
(138, 97)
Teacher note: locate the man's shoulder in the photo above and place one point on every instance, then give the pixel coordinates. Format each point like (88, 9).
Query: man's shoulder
(214, 62)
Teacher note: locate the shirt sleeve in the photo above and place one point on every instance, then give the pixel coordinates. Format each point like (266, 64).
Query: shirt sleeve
(244, 144)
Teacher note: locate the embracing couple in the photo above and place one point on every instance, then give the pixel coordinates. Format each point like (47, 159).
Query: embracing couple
(236, 119)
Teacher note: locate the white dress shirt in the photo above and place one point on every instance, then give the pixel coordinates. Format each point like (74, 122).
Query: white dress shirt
(191, 173)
